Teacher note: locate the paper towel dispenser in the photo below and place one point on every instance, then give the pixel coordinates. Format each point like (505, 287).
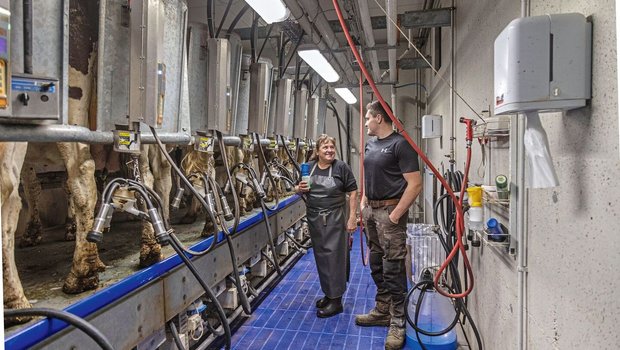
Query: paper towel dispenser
(543, 63)
(431, 126)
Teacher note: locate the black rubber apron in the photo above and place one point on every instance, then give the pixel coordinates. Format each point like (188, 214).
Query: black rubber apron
(326, 220)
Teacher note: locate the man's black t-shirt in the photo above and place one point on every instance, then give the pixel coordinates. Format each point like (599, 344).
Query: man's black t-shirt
(342, 174)
(385, 160)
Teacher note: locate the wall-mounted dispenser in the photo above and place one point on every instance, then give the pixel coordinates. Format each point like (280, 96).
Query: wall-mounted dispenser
(431, 126)
(543, 63)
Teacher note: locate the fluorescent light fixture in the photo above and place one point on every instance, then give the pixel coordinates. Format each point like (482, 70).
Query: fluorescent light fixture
(346, 95)
(270, 10)
(315, 59)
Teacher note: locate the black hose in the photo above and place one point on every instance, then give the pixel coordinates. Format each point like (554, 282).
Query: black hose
(70, 318)
(264, 42)
(219, 28)
(189, 186)
(444, 217)
(290, 157)
(175, 335)
(340, 149)
(245, 303)
(27, 28)
(253, 37)
(263, 160)
(263, 206)
(208, 291)
(210, 18)
(413, 323)
(281, 56)
(301, 36)
(270, 237)
(234, 22)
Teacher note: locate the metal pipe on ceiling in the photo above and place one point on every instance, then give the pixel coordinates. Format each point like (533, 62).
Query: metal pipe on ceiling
(392, 33)
(370, 37)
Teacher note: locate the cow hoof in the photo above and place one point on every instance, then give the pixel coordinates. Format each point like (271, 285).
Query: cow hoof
(150, 256)
(75, 285)
(32, 235)
(205, 233)
(99, 266)
(29, 241)
(22, 303)
(70, 232)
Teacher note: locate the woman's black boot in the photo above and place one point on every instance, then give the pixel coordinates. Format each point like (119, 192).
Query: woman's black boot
(321, 303)
(333, 307)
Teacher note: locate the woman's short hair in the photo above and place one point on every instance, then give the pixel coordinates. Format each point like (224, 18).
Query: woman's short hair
(320, 141)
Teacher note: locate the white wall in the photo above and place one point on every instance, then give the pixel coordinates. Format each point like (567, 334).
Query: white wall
(573, 242)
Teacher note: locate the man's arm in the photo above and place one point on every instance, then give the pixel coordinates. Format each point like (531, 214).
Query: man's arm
(414, 186)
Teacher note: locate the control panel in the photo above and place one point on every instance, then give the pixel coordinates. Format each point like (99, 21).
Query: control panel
(34, 98)
(5, 63)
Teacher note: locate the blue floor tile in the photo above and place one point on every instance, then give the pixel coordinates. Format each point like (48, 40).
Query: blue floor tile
(287, 319)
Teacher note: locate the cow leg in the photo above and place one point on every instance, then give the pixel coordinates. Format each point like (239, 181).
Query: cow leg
(150, 250)
(192, 212)
(82, 188)
(11, 161)
(32, 192)
(70, 224)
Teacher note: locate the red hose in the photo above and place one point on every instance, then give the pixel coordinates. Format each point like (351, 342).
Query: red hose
(459, 209)
(366, 256)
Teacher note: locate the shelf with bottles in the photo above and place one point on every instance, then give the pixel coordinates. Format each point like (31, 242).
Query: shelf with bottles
(494, 240)
(494, 128)
(492, 197)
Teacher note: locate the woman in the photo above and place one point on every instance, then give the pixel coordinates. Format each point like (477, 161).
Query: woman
(330, 181)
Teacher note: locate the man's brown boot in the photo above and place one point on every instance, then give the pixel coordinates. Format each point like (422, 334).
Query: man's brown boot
(378, 316)
(395, 339)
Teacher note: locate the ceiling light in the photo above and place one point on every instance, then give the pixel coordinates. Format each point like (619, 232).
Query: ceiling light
(270, 10)
(346, 95)
(315, 59)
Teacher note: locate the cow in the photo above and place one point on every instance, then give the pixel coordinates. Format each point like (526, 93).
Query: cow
(80, 167)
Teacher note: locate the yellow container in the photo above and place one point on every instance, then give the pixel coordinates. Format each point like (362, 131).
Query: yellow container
(475, 196)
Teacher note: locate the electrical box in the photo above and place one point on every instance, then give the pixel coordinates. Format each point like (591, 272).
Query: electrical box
(147, 76)
(543, 63)
(260, 96)
(299, 117)
(34, 98)
(223, 71)
(431, 126)
(284, 92)
(5, 58)
(313, 118)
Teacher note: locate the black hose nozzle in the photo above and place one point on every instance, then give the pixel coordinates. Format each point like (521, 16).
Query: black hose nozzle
(101, 221)
(176, 201)
(228, 215)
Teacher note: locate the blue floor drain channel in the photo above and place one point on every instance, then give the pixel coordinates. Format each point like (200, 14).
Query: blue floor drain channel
(286, 319)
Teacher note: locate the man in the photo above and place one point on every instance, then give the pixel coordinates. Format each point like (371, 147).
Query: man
(392, 182)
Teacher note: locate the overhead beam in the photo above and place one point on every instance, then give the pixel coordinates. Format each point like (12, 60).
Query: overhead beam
(403, 63)
(410, 19)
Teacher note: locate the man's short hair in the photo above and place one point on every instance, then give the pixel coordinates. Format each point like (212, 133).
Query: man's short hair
(375, 108)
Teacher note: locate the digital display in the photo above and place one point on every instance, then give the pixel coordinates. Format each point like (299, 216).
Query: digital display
(3, 46)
